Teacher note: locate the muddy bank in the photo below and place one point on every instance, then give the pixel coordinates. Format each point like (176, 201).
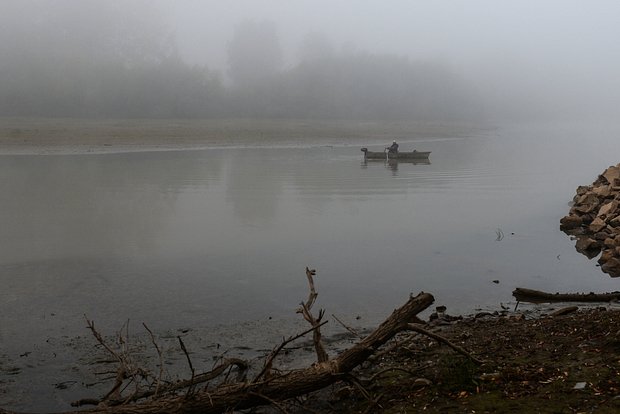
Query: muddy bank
(561, 364)
(417, 372)
(49, 375)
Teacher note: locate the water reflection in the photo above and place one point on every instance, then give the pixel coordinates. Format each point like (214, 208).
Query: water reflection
(254, 184)
(203, 231)
(392, 164)
(204, 238)
(91, 206)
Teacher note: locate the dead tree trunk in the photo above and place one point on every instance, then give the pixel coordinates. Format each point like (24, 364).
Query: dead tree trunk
(537, 296)
(278, 387)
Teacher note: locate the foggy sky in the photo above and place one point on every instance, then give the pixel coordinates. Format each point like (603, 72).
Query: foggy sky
(560, 55)
(471, 32)
(565, 47)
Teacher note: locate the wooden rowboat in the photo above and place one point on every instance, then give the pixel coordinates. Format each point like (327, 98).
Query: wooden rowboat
(384, 155)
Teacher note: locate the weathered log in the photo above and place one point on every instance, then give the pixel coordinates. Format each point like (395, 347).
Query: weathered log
(564, 311)
(537, 296)
(298, 382)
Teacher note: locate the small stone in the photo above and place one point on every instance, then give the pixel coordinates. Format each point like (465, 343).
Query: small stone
(608, 209)
(587, 218)
(570, 222)
(579, 386)
(492, 376)
(606, 256)
(615, 221)
(603, 191)
(588, 199)
(582, 189)
(601, 235)
(585, 243)
(612, 267)
(611, 174)
(597, 225)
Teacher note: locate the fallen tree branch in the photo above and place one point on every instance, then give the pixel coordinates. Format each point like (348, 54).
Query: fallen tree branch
(124, 369)
(91, 326)
(179, 385)
(351, 379)
(243, 395)
(159, 355)
(537, 296)
(268, 363)
(306, 310)
(348, 328)
(416, 328)
(272, 402)
(412, 373)
(564, 311)
(191, 367)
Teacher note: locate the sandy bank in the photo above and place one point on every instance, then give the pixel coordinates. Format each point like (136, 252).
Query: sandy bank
(59, 135)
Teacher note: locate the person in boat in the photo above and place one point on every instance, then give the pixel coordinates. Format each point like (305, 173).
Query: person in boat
(393, 149)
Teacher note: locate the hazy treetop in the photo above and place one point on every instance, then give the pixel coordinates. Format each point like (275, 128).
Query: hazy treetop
(457, 31)
(554, 51)
(472, 33)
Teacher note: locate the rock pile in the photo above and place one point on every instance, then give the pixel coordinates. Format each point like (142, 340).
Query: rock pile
(594, 219)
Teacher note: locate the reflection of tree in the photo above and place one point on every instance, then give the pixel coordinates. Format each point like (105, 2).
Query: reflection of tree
(72, 206)
(254, 183)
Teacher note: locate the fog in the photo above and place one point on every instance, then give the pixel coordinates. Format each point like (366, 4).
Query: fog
(422, 60)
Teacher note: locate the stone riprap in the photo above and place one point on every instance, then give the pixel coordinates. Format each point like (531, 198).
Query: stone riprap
(594, 220)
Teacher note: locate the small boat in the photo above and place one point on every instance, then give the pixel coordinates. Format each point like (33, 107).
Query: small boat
(385, 155)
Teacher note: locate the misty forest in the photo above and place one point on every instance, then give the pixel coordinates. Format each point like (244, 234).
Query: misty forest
(102, 61)
(125, 59)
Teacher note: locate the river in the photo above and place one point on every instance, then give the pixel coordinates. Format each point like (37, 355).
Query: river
(217, 240)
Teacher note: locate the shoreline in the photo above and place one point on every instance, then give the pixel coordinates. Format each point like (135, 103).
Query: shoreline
(60, 136)
(443, 380)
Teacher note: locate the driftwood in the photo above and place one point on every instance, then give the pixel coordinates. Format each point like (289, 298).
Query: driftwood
(246, 394)
(305, 308)
(536, 296)
(419, 329)
(564, 311)
(179, 385)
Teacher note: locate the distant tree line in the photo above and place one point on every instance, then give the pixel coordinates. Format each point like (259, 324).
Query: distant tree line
(71, 64)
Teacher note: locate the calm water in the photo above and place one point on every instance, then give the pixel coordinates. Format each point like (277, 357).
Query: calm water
(219, 239)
